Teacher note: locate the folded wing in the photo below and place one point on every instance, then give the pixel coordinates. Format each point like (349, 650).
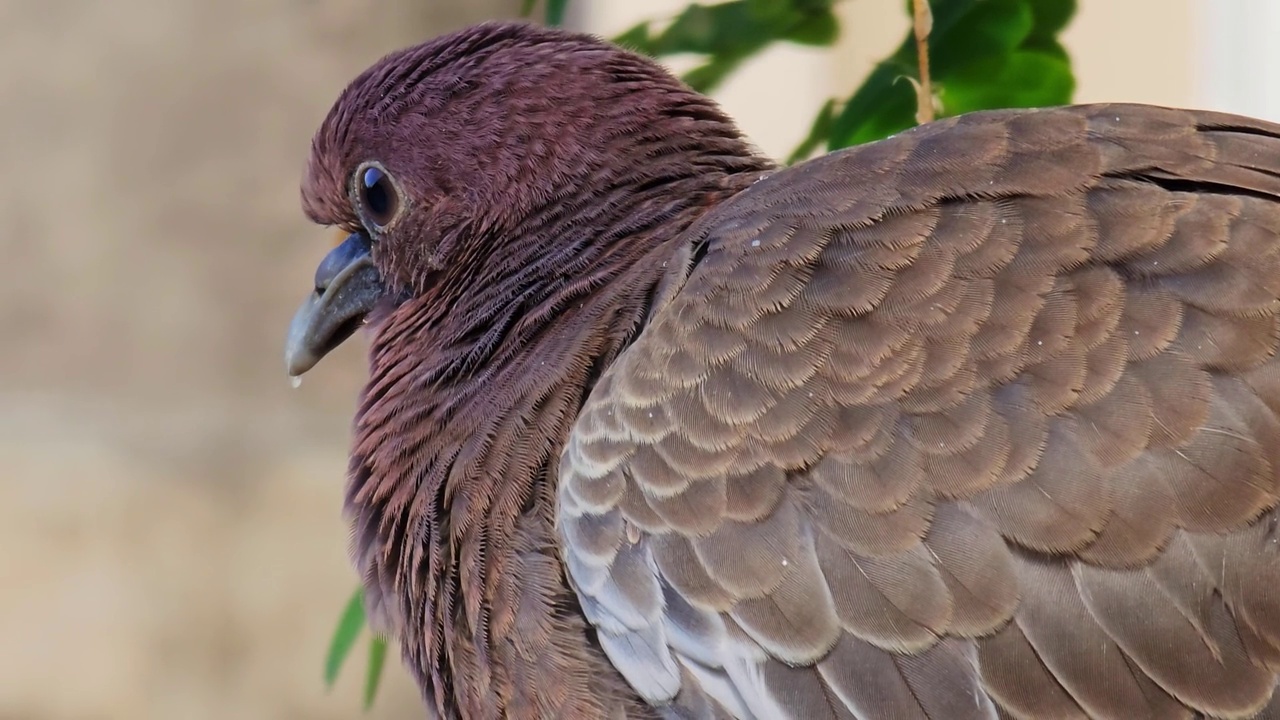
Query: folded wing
(982, 420)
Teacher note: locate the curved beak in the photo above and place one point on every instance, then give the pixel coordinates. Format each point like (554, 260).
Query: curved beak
(347, 288)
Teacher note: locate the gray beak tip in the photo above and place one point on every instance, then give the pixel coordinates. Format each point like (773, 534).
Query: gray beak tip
(348, 287)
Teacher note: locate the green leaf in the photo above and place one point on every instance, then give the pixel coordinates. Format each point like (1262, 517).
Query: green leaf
(818, 133)
(705, 78)
(724, 29)
(984, 54)
(728, 33)
(767, 10)
(1051, 18)
(555, 12)
(992, 28)
(344, 637)
(637, 38)
(526, 7)
(373, 673)
(819, 28)
(877, 109)
(1026, 79)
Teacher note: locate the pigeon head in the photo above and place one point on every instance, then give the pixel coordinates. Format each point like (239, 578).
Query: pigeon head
(459, 162)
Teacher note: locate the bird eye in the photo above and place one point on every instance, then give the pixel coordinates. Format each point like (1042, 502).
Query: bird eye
(378, 195)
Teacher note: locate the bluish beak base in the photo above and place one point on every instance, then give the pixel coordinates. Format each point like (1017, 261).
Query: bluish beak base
(348, 286)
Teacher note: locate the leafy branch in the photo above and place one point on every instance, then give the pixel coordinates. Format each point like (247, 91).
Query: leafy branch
(344, 638)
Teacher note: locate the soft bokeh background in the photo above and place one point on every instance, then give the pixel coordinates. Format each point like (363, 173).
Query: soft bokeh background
(171, 544)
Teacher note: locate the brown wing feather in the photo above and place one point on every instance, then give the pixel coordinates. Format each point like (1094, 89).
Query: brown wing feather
(977, 421)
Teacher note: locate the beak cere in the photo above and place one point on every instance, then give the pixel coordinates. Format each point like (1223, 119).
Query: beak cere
(347, 288)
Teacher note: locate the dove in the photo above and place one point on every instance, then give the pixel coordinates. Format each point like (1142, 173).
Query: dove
(981, 420)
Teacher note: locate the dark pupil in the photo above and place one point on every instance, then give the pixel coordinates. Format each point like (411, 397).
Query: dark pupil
(379, 196)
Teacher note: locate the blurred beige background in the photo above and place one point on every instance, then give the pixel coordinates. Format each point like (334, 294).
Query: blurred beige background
(171, 543)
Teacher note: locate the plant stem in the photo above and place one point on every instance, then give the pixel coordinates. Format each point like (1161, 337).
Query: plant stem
(923, 23)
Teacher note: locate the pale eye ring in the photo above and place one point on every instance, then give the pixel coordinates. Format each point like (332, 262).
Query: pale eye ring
(377, 195)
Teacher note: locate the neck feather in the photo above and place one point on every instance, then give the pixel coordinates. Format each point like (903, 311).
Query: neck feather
(474, 386)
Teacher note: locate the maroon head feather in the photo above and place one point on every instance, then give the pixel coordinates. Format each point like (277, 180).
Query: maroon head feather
(545, 177)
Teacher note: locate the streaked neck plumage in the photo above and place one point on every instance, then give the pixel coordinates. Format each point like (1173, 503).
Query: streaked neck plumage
(475, 383)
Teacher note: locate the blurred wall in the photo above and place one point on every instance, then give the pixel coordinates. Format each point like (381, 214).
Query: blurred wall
(171, 543)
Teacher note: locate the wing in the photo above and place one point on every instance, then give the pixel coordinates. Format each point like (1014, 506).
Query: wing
(977, 421)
